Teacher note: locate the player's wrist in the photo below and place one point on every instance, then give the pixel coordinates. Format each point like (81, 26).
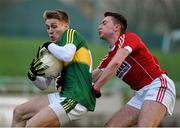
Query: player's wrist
(95, 88)
(46, 45)
(31, 76)
(96, 91)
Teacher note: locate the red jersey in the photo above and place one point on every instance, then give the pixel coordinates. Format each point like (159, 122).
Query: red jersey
(140, 68)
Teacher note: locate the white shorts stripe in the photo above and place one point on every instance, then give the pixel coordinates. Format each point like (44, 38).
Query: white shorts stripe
(162, 90)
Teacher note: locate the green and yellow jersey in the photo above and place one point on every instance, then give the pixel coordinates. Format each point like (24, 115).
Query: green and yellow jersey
(77, 75)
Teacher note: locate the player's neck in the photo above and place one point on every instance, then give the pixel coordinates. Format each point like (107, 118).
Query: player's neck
(113, 39)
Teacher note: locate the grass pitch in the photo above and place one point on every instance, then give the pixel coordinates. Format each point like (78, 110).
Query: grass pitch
(16, 53)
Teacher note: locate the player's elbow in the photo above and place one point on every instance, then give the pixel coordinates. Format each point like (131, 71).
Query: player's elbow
(68, 57)
(69, 52)
(41, 87)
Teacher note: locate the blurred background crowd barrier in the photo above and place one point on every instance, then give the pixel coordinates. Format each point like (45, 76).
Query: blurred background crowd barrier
(22, 30)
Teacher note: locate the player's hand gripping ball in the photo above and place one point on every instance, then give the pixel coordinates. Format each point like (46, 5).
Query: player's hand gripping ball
(36, 68)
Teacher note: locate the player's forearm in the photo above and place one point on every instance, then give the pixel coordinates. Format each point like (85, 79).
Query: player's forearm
(96, 74)
(65, 53)
(106, 75)
(112, 67)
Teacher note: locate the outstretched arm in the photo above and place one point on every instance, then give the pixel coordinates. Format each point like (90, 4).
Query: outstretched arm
(96, 74)
(112, 67)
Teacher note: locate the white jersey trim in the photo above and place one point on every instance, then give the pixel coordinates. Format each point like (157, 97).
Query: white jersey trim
(128, 48)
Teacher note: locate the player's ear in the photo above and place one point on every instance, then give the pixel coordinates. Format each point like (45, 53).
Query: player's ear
(66, 25)
(117, 27)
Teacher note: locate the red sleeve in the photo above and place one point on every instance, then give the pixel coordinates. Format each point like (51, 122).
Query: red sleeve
(131, 40)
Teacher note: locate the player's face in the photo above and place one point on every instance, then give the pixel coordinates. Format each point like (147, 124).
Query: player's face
(55, 28)
(106, 28)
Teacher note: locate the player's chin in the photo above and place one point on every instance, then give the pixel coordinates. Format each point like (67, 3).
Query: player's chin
(53, 40)
(101, 37)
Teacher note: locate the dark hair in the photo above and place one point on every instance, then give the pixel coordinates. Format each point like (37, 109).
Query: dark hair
(56, 14)
(117, 18)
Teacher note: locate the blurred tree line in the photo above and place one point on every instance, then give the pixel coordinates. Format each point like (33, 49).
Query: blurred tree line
(144, 16)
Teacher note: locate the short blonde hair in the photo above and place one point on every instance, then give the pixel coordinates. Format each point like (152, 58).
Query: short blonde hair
(56, 14)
